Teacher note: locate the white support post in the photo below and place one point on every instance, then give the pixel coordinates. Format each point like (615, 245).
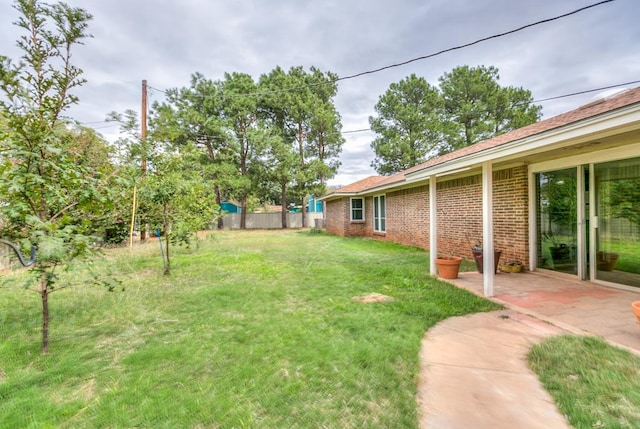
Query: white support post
(533, 222)
(433, 225)
(593, 222)
(487, 228)
(581, 251)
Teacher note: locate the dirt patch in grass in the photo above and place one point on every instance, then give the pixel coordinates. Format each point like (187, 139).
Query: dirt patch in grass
(372, 297)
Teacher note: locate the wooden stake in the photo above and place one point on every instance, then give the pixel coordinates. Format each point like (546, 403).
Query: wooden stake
(133, 216)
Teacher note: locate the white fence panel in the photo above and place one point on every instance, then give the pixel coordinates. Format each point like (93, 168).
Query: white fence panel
(269, 220)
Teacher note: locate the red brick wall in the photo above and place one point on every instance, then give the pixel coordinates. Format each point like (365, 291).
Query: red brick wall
(408, 216)
(511, 211)
(459, 215)
(337, 216)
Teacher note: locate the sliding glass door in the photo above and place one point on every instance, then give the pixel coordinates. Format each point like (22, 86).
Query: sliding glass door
(617, 231)
(588, 221)
(557, 226)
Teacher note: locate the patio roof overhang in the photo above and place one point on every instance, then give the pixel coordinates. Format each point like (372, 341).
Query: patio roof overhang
(586, 135)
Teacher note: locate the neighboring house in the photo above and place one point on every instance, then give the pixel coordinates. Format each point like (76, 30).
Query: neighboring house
(314, 205)
(562, 194)
(231, 207)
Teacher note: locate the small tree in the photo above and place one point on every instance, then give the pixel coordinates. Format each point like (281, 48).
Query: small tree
(47, 191)
(176, 200)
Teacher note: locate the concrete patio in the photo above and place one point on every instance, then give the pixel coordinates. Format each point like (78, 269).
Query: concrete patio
(574, 305)
(474, 370)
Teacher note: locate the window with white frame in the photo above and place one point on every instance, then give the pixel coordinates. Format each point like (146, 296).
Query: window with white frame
(357, 209)
(379, 213)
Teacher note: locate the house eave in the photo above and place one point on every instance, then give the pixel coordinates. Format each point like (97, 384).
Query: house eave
(337, 196)
(624, 119)
(616, 122)
(363, 193)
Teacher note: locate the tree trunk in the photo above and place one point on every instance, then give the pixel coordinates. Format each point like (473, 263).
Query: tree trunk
(467, 134)
(216, 190)
(304, 212)
(44, 293)
(167, 269)
(283, 197)
(301, 148)
(243, 212)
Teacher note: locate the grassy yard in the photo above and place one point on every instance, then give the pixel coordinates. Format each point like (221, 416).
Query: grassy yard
(251, 330)
(594, 384)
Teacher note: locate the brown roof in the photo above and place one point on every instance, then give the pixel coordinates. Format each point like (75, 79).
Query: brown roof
(361, 185)
(587, 111)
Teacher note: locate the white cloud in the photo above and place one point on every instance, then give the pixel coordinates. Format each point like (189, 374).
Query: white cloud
(165, 41)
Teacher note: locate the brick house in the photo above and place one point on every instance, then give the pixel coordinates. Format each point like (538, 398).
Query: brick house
(562, 194)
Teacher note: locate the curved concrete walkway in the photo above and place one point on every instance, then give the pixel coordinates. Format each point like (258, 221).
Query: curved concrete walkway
(474, 374)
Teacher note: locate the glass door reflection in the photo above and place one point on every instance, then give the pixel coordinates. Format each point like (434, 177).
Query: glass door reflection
(617, 257)
(557, 224)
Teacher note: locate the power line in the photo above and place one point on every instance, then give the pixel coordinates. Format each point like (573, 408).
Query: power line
(356, 131)
(542, 100)
(403, 63)
(466, 45)
(106, 126)
(602, 88)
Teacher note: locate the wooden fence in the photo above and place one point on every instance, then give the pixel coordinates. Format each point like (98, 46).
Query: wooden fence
(271, 220)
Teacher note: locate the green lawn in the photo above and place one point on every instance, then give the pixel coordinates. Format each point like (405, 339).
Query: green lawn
(251, 330)
(593, 384)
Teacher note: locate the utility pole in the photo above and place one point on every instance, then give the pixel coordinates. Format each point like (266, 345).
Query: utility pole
(143, 124)
(143, 142)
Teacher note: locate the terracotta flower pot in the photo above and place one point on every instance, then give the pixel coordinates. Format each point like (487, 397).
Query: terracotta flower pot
(448, 267)
(635, 306)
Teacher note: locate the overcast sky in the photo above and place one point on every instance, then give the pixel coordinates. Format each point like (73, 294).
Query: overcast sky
(166, 41)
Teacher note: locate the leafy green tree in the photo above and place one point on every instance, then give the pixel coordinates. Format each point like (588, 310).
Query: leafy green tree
(624, 199)
(129, 149)
(245, 132)
(299, 104)
(407, 124)
(194, 116)
(131, 154)
(176, 200)
(280, 166)
(325, 140)
(416, 121)
(476, 107)
(282, 161)
(47, 188)
(90, 149)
